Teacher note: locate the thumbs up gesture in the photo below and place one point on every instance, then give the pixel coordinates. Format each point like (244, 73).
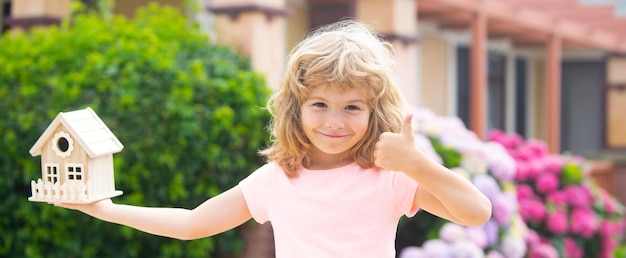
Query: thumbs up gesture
(394, 151)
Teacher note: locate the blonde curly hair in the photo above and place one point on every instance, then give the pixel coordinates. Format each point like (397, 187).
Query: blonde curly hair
(347, 55)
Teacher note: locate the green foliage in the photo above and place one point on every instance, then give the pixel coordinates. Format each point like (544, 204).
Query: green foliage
(190, 115)
(621, 251)
(572, 174)
(451, 157)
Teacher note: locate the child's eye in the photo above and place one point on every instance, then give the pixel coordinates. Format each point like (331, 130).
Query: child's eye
(319, 104)
(352, 107)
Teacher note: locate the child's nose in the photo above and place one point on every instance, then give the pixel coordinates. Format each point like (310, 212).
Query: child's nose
(335, 121)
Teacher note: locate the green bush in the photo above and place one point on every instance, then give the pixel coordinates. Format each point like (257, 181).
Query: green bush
(190, 115)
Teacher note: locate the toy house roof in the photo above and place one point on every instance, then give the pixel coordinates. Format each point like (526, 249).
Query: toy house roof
(87, 129)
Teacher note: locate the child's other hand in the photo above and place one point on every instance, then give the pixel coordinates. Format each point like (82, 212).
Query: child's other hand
(393, 150)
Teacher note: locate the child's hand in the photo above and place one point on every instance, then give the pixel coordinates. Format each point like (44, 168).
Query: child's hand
(393, 150)
(84, 207)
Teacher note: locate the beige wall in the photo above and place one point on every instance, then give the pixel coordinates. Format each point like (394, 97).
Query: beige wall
(39, 8)
(128, 8)
(434, 79)
(297, 22)
(396, 18)
(252, 34)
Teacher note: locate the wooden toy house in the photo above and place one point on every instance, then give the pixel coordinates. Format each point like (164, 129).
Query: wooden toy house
(76, 159)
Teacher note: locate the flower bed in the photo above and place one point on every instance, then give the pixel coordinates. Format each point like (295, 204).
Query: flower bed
(567, 213)
(544, 205)
(492, 170)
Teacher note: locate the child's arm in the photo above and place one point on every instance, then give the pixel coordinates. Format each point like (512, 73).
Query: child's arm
(216, 215)
(440, 192)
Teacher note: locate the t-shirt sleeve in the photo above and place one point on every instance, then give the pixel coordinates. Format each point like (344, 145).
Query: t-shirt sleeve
(404, 189)
(255, 189)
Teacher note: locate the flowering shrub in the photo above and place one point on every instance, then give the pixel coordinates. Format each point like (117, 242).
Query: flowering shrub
(568, 215)
(492, 170)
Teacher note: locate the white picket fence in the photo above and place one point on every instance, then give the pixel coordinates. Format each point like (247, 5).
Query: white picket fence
(68, 191)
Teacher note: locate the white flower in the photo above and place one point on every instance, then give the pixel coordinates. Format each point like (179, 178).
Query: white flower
(430, 128)
(513, 247)
(451, 232)
(466, 249)
(413, 252)
(474, 163)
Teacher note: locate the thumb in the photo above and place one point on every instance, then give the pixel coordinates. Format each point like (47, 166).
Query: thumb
(407, 126)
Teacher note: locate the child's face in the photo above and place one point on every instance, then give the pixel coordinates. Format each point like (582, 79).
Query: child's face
(334, 120)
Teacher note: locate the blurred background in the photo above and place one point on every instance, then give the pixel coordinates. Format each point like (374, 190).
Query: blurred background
(163, 73)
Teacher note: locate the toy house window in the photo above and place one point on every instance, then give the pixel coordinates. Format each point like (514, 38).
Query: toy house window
(74, 172)
(52, 173)
(62, 144)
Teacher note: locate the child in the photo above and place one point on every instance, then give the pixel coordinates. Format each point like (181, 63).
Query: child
(342, 168)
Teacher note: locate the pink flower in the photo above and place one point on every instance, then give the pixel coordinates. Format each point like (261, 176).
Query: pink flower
(494, 254)
(578, 196)
(531, 209)
(532, 238)
(509, 141)
(523, 154)
(557, 222)
(498, 136)
(524, 191)
(547, 182)
(557, 198)
(608, 228)
(536, 167)
(609, 244)
(516, 139)
(572, 250)
(522, 171)
(543, 250)
(553, 164)
(537, 147)
(583, 222)
(609, 203)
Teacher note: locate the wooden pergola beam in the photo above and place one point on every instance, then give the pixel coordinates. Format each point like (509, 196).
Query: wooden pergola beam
(553, 94)
(529, 14)
(478, 75)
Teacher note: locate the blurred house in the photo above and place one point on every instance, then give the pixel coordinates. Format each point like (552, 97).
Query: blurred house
(548, 69)
(553, 70)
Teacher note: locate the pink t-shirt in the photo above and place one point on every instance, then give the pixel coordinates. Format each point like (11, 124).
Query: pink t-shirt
(348, 211)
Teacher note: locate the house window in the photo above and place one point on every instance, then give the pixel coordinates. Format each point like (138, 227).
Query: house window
(520, 96)
(62, 144)
(463, 85)
(52, 173)
(496, 64)
(74, 172)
